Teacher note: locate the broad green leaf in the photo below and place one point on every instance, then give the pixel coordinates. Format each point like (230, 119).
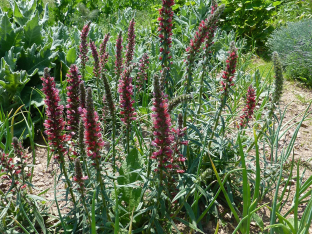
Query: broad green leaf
(8, 36)
(32, 32)
(11, 58)
(71, 56)
(36, 59)
(13, 82)
(23, 11)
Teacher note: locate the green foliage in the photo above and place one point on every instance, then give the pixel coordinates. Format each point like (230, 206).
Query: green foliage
(291, 11)
(249, 19)
(293, 43)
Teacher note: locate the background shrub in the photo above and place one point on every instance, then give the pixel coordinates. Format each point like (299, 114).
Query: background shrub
(294, 43)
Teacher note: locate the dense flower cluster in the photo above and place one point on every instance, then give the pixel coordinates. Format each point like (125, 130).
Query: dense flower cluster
(165, 30)
(213, 27)
(205, 31)
(92, 133)
(95, 55)
(142, 74)
(125, 90)
(103, 53)
(162, 123)
(131, 43)
(249, 108)
(228, 73)
(118, 62)
(54, 124)
(84, 45)
(73, 101)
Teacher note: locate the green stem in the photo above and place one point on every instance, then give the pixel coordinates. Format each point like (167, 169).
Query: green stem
(68, 181)
(114, 150)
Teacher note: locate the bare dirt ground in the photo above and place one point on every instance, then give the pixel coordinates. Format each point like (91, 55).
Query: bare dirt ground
(294, 95)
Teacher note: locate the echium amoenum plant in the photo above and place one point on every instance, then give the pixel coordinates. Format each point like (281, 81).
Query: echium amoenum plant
(55, 124)
(165, 32)
(73, 101)
(205, 31)
(131, 43)
(84, 48)
(162, 133)
(278, 83)
(249, 108)
(125, 89)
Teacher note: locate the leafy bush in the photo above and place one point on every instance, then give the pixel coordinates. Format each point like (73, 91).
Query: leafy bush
(250, 19)
(293, 42)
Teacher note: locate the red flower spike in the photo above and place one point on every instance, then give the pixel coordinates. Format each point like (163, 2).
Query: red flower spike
(92, 133)
(73, 101)
(125, 90)
(131, 43)
(249, 108)
(54, 124)
(228, 73)
(118, 62)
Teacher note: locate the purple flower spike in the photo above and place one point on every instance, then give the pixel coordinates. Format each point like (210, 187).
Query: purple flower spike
(125, 90)
(165, 31)
(228, 73)
(118, 62)
(95, 54)
(54, 124)
(249, 108)
(93, 136)
(73, 101)
(162, 123)
(142, 74)
(103, 53)
(84, 45)
(131, 43)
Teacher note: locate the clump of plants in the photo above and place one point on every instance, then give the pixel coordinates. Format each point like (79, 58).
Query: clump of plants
(160, 135)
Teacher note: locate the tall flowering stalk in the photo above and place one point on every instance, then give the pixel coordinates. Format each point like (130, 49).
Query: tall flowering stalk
(55, 123)
(96, 65)
(103, 53)
(111, 106)
(84, 48)
(249, 108)
(142, 74)
(131, 43)
(278, 83)
(162, 134)
(92, 133)
(118, 61)
(226, 82)
(125, 90)
(207, 49)
(205, 31)
(228, 74)
(93, 138)
(165, 33)
(73, 101)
